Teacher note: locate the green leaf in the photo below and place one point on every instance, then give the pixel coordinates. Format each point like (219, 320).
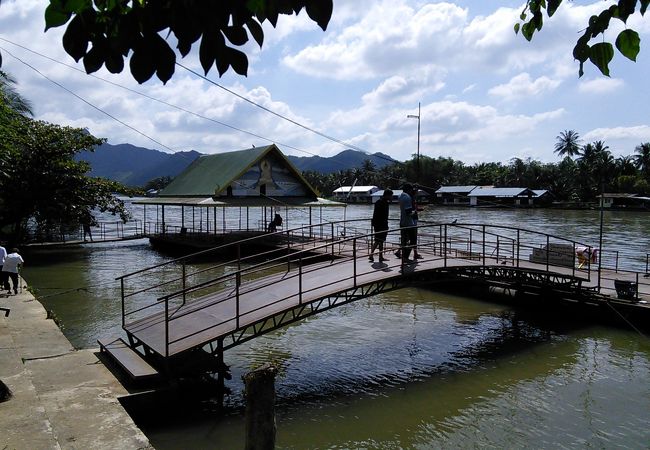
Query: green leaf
(581, 51)
(75, 39)
(644, 6)
(553, 5)
(165, 58)
(320, 11)
(538, 19)
(516, 28)
(114, 62)
(527, 30)
(628, 43)
(94, 59)
(600, 55)
(236, 35)
(625, 9)
(256, 31)
(238, 61)
(210, 43)
(55, 17)
(142, 63)
(222, 58)
(77, 6)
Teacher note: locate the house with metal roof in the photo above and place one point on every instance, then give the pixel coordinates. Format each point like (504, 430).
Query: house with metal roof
(355, 194)
(623, 201)
(454, 195)
(257, 183)
(491, 196)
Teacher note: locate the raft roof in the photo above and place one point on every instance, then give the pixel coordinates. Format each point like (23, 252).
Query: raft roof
(205, 182)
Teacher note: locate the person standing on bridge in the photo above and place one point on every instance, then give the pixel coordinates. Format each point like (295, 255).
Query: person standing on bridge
(274, 224)
(379, 224)
(88, 221)
(407, 222)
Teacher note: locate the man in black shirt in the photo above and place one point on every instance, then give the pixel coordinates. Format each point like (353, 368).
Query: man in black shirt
(380, 224)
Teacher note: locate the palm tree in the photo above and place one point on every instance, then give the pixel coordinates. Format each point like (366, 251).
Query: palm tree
(568, 144)
(12, 99)
(642, 158)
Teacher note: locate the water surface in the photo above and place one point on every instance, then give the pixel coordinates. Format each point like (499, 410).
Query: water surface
(412, 368)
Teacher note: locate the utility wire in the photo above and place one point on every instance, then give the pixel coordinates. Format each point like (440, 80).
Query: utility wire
(85, 101)
(191, 112)
(283, 117)
(208, 118)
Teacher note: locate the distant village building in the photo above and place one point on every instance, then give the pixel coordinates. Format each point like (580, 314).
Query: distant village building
(454, 195)
(422, 195)
(542, 197)
(623, 201)
(515, 196)
(355, 194)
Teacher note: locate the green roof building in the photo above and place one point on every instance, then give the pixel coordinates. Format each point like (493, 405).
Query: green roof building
(259, 177)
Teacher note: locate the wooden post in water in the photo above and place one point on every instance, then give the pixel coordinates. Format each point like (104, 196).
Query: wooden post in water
(260, 408)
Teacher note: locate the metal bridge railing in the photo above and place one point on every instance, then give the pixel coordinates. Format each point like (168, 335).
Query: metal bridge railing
(195, 289)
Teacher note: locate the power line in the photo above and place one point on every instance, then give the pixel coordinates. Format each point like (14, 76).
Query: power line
(171, 105)
(85, 101)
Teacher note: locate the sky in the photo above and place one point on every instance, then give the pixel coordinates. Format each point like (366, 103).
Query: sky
(486, 94)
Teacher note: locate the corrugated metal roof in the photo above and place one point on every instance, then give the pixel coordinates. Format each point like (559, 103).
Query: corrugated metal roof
(355, 189)
(211, 175)
(455, 189)
(500, 192)
(540, 192)
(617, 195)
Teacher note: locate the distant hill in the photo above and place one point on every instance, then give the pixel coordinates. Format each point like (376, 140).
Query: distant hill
(135, 166)
(347, 159)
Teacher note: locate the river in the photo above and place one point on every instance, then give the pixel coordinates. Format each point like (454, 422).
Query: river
(407, 369)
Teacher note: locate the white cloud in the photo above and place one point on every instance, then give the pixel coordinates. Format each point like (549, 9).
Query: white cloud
(357, 82)
(522, 87)
(639, 133)
(600, 85)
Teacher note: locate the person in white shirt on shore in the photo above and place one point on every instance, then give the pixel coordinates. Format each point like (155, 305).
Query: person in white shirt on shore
(12, 263)
(3, 280)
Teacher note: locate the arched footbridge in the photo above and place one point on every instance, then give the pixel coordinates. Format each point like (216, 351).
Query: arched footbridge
(175, 310)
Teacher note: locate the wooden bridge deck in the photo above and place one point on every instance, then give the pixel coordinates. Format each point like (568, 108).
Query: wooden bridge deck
(213, 316)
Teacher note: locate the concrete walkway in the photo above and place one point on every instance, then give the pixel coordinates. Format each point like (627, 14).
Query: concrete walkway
(62, 398)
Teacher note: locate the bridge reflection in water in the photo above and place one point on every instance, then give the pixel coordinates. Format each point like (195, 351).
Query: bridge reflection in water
(177, 322)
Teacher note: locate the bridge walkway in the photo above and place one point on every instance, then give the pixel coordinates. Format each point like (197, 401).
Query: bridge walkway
(221, 313)
(244, 302)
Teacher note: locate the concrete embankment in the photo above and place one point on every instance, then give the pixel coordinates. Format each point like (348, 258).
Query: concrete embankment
(62, 398)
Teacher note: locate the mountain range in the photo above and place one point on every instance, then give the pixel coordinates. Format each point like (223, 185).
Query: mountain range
(135, 166)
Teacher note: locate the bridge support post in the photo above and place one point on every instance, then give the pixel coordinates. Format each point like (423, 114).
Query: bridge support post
(221, 373)
(259, 391)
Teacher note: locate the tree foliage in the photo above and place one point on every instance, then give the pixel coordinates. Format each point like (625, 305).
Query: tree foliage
(601, 52)
(43, 189)
(105, 32)
(574, 180)
(568, 144)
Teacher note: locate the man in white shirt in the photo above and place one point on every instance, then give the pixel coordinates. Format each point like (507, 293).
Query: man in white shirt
(407, 222)
(3, 280)
(13, 261)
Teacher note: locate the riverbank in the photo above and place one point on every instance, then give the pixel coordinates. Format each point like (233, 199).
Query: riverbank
(62, 397)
